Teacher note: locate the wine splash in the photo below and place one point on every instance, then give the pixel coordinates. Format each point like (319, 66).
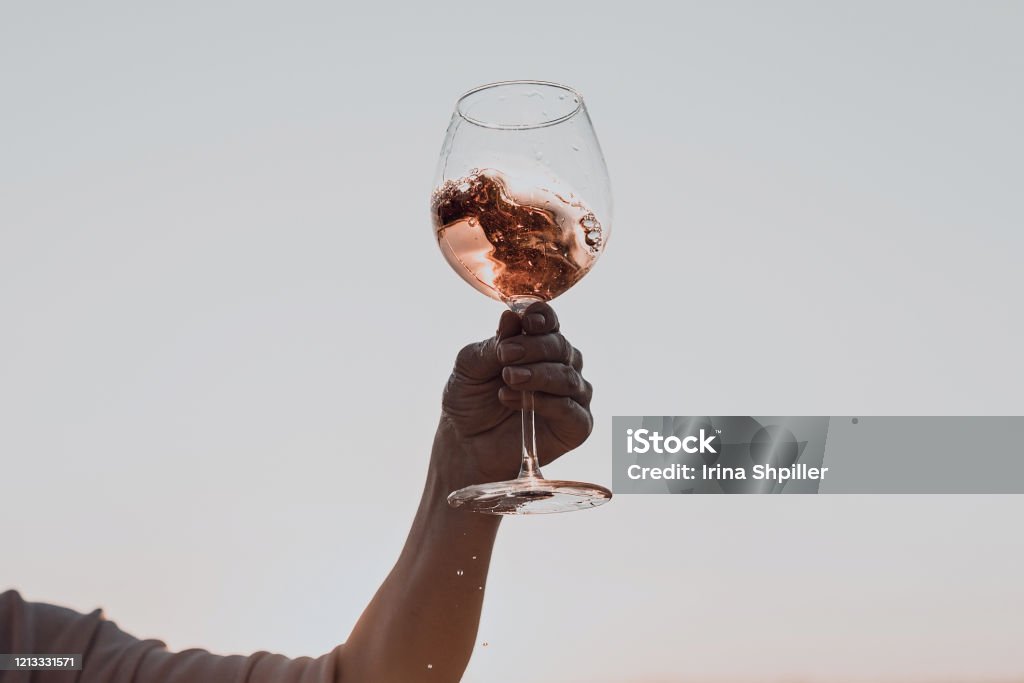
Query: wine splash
(510, 244)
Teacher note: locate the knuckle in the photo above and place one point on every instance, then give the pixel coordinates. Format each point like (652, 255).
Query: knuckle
(573, 378)
(471, 362)
(449, 389)
(547, 348)
(588, 423)
(541, 378)
(466, 354)
(567, 405)
(565, 350)
(551, 317)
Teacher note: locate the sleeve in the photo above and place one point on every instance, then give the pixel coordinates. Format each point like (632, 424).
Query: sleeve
(112, 656)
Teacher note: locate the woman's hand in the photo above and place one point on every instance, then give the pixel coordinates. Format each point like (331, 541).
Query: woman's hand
(484, 395)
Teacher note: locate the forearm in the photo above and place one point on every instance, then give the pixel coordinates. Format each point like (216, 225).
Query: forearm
(422, 623)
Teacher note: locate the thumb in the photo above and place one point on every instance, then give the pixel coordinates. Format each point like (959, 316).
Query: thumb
(509, 325)
(479, 362)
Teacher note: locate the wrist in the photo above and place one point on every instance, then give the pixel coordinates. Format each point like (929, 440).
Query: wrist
(453, 464)
(452, 467)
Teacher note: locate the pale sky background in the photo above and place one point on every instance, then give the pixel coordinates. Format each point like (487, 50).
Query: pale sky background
(224, 325)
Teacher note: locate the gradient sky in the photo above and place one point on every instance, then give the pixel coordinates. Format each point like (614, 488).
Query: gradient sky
(225, 326)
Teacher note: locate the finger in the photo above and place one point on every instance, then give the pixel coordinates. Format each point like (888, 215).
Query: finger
(540, 318)
(577, 359)
(557, 409)
(550, 378)
(478, 362)
(524, 349)
(509, 325)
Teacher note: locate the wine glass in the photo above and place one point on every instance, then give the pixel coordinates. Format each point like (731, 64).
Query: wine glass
(522, 210)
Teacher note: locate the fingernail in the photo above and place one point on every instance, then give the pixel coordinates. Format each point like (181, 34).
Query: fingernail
(535, 321)
(516, 375)
(510, 352)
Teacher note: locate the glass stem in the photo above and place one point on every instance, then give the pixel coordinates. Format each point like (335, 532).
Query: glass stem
(530, 468)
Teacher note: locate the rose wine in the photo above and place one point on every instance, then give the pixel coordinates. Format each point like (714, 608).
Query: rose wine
(509, 243)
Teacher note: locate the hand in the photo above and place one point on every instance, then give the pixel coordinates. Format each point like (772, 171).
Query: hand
(484, 395)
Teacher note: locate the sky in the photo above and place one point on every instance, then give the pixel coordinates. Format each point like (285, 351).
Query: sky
(225, 326)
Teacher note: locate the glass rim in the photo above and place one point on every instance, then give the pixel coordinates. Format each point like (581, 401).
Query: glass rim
(522, 126)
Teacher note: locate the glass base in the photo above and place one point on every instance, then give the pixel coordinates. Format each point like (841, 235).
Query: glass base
(529, 496)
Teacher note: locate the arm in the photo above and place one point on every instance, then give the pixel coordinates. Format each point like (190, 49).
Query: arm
(422, 623)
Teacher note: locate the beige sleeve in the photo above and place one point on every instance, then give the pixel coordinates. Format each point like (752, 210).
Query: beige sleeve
(112, 656)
